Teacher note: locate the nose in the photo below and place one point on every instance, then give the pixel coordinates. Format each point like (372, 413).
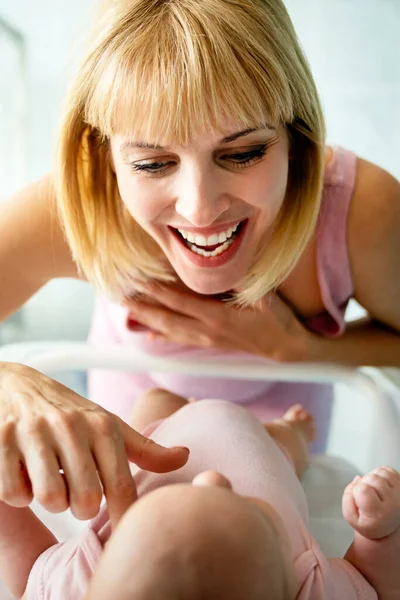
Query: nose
(200, 197)
(212, 478)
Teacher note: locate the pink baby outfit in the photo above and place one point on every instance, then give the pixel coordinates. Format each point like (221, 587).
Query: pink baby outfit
(116, 391)
(228, 439)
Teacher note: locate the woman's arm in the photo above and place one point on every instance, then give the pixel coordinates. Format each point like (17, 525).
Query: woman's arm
(374, 252)
(32, 246)
(23, 538)
(365, 343)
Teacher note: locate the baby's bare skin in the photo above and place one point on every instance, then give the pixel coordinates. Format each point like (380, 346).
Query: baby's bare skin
(294, 431)
(371, 505)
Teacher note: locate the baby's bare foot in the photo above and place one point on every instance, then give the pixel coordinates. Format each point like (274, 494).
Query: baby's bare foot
(298, 417)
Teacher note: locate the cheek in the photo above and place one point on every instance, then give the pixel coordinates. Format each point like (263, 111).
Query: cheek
(268, 196)
(266, 190)
(141, 200)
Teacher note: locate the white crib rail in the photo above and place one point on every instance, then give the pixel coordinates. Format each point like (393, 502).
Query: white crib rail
(384, 447)
(82, 356)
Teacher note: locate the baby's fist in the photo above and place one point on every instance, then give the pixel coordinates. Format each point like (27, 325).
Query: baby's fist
(371, 504)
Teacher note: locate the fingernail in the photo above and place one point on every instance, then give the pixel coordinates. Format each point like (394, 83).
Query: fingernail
(131, 323)
(182, 448)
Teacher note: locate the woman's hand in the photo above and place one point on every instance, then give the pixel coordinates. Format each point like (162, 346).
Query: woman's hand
(271, 329)
(45, 427)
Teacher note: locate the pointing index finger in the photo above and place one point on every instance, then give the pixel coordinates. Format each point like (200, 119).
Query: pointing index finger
(149, 455)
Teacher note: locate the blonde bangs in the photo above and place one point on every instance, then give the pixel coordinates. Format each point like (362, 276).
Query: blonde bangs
(180, 75)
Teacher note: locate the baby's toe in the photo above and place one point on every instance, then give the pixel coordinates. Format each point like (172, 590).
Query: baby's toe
(294, 412)
(297, 413)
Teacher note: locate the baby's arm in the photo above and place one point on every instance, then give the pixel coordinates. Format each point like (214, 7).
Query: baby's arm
(371, 505)
(23, 537)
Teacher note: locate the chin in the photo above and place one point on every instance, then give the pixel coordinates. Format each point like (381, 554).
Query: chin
(209, 285)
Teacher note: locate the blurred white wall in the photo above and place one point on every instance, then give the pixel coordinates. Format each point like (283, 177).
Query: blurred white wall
(53, 31)
(353, 47)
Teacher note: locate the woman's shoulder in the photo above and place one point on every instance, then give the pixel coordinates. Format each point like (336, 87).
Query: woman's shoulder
(374, 241)
(375, 208)
(373, 193)
(361, 221)
(32, 215)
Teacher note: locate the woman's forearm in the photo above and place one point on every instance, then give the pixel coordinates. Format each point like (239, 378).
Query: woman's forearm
(364, 343)
(378, 561)
(23, 537)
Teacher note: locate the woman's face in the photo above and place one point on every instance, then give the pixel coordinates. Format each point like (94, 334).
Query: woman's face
(209, 204)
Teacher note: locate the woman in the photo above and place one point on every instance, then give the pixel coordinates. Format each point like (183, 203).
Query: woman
(192, 169)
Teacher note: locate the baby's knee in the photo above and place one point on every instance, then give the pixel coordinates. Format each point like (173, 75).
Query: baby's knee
(154, 394)
(159, 401)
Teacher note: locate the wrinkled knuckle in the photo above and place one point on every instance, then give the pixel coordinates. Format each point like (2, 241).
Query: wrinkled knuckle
(206, 340)
(16, 495)
(217, 323)
(146, 442)
(84, 513)
(32, 425)
(164, 321)
(373, 477)
(7, 433)
(88, 500)
(54, 499)
(380, 472)
(42, 451)
(278, 355)
(390, 470)
(122, 487)
(66, 420)
(104, 423)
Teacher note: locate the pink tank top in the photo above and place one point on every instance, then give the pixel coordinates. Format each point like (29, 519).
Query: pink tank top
(334, 276)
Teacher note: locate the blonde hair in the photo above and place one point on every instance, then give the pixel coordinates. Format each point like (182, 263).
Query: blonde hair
(172, 69)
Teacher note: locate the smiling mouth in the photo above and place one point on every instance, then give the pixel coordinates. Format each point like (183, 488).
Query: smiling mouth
(214, 245)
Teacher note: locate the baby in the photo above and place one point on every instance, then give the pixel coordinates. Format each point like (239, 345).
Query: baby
(231, 524)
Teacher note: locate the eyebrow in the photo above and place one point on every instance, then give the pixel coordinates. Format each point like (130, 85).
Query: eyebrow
(225, 140)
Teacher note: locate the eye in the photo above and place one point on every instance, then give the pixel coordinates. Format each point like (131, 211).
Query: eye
(244, 159)
(151, 167)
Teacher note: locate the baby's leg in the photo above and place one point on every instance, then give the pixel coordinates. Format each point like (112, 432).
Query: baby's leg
(294, 432)
(152, 405)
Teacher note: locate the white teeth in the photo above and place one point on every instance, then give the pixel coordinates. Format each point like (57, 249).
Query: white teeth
(215, 252)
(212, 240)
(222, 238)
(200, 240)
(183, 234)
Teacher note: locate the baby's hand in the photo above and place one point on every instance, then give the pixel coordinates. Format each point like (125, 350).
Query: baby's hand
(371, 504)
